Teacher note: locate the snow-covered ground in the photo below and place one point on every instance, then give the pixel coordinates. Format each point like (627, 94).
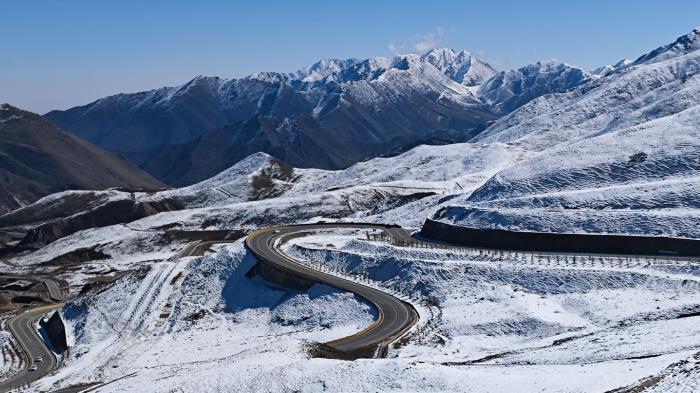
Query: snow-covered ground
(499, 322)
(618, 153)
(11, 358)
(201, 325)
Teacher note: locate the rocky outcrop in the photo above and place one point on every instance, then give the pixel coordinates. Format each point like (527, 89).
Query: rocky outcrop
(56, 332)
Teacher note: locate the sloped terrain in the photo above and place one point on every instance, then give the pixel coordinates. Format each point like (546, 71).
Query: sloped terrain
(622, 149)
(348, 110)
(492, 322)
(616, 152)
(37, 159)
(509, 90)
(329, 115)
(262, 190)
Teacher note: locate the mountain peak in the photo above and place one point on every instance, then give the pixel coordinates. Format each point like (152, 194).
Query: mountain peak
(462, 67)
(7, 107)
(693, 36)
(8, 111)
(443, 54)
(682, 45)
(444, 57)
(268, 76)
(324, 68)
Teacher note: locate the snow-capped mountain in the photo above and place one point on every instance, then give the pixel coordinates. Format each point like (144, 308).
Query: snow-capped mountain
(608, 153)
(335, 113)
(461, 66)
(508, 90)
(329, 115)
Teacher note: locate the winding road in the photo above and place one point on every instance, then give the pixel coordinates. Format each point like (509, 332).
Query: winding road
(396, 317)
(23, 328)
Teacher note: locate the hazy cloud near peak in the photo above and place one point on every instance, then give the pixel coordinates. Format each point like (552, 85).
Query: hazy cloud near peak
(421, 43)
(431, 40)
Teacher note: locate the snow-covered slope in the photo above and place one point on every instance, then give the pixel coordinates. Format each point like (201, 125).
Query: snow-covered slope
(512, 322)
(618, 154)
(607, 69)
(263, 191)
(326, 69)
(605, 145)
(683, 45)
(508, 90)
(329, 115)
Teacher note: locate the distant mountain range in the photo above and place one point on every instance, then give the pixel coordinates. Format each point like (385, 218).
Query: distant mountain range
(616, 150)
(329, 115)
(37, 159)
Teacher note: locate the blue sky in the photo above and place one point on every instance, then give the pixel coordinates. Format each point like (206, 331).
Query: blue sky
(57, 54)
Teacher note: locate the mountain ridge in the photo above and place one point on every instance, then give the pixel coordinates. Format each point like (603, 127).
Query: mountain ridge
(37, 159)
(349, 109)
(366, 109)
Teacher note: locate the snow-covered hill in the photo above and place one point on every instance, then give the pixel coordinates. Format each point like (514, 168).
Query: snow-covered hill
(513, 322)
(606, 145)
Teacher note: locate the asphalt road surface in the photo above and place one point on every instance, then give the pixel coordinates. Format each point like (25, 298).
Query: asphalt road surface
(395, 316)
(54, 290)
(23, 329)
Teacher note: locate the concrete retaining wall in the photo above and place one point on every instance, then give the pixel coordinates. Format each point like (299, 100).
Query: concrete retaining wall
(56, 331)
(274, 274)
(554, 242)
